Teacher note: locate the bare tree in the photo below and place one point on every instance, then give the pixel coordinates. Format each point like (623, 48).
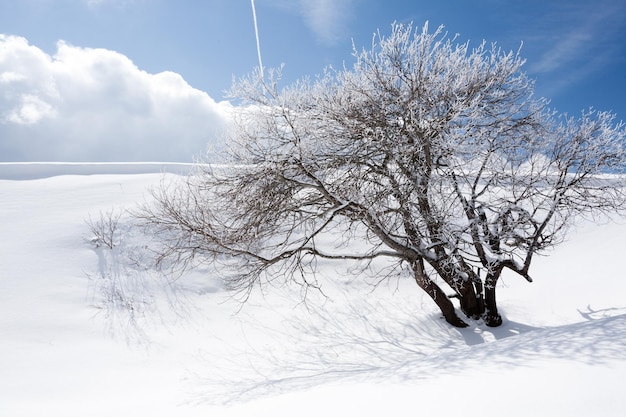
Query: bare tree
(426, 152)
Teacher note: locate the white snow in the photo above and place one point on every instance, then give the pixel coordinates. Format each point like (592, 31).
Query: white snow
(70, 348)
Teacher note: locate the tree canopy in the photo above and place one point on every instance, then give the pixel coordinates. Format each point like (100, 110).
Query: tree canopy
(427, 152)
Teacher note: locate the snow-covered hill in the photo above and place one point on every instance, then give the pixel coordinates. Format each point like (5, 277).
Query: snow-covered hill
(37, 170)
(87, 331)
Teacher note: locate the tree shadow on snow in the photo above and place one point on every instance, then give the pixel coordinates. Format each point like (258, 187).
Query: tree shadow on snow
(126, 291)
(380, 341)
(479, 333)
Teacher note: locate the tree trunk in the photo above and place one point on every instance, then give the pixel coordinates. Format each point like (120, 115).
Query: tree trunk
(437, 294)
(471, 299)
(469, 291)
(491, 316)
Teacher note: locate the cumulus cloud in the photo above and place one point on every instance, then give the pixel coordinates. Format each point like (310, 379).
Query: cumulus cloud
(84, 104)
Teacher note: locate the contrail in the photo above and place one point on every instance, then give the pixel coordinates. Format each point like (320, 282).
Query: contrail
(256, 31)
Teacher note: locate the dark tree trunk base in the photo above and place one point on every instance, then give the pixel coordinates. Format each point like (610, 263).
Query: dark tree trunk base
(456, 321)
(492, 320)
(437, 295)
(491, 317)
(472, 300)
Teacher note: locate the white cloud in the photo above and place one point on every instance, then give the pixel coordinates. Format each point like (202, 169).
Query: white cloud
(8, 77)
(327, 19)
(577, 41)
(571, 43)
(29, 111)
(99, 3)
(96, 105)
(562, 52)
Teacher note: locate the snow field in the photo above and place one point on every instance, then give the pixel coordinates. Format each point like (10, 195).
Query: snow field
(86, 332)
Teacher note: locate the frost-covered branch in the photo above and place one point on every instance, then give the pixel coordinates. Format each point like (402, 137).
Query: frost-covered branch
(430, 152)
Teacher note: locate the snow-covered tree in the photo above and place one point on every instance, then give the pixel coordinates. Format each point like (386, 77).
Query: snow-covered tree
(426, 152)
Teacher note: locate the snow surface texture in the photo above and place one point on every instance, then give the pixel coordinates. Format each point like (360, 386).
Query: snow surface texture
(88, 330)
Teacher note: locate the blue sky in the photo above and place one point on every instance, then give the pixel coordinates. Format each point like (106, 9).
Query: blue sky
(144, 79)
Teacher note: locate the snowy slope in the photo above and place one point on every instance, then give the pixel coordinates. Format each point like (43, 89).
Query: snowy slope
(36, 170)
(87, 332)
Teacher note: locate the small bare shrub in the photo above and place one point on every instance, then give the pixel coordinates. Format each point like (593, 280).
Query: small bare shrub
(105, 229)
